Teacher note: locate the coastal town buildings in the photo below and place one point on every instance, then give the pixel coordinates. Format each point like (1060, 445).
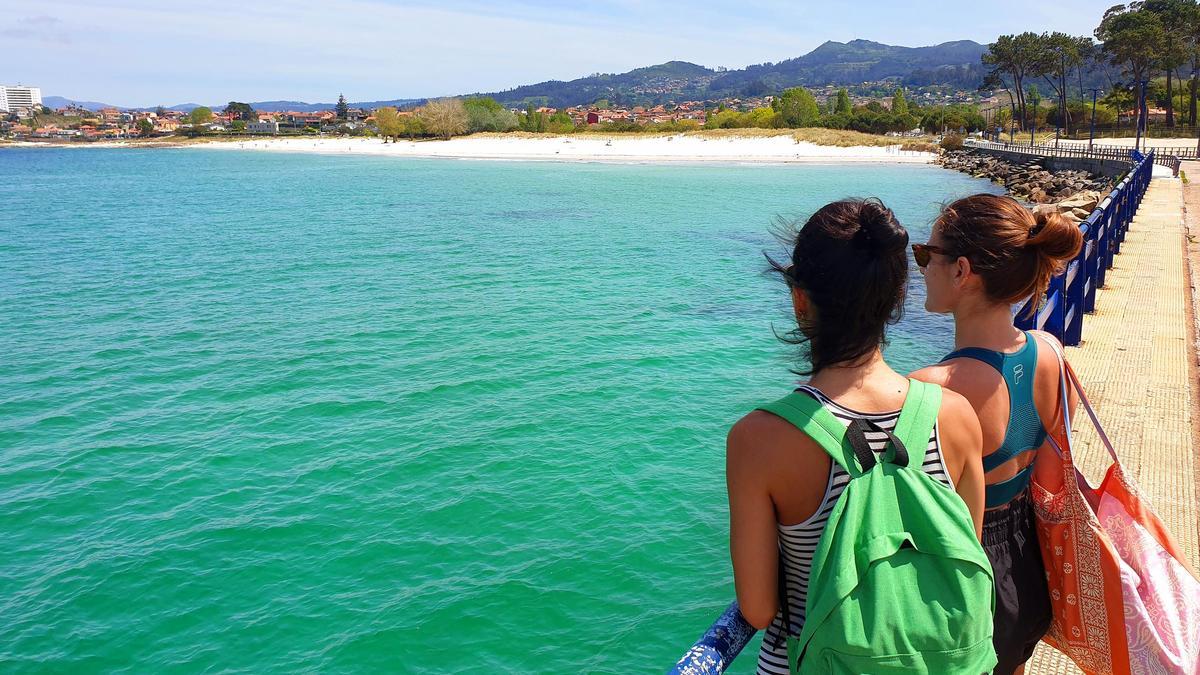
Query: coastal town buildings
(75, 121)
(587, 116)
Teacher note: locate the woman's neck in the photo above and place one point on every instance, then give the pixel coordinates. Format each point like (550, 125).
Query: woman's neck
(987, 326)
(869, 372)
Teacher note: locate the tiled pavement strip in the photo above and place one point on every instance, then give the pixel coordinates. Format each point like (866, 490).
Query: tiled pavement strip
(1136, 366)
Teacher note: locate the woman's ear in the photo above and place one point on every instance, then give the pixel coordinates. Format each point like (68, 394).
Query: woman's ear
(800, 304)
(962, 271)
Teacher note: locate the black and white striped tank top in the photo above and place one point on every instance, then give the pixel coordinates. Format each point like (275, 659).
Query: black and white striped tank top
(798, 542)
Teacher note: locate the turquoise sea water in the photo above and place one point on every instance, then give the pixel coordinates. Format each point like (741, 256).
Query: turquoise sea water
(279, 413)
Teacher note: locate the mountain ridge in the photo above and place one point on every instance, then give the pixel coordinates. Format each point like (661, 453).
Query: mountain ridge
(831, 63)
(955, 63)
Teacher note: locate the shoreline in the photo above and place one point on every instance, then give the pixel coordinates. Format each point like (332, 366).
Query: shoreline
(675, 148)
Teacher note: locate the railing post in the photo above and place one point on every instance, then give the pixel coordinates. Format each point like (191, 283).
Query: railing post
(1130, 207)
(1024, 319)
(1055, 322)
(1113, 221)
(1074, 301)
(1093, 271)
(1122, 219)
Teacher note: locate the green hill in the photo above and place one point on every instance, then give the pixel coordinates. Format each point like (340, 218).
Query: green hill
(951, 63)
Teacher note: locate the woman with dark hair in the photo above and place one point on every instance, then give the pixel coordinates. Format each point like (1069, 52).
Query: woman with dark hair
(985, 254)
(847, 278)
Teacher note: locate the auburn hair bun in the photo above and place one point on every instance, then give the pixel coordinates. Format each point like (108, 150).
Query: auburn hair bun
(1054, 237)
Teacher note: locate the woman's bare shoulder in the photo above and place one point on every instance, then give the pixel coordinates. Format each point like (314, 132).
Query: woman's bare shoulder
(958, 426)
(758, 430)
(1048, 339)
(956, 406)
(764, 439)
(938, 373)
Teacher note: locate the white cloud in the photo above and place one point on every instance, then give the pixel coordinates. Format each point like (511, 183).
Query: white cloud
(45, 29)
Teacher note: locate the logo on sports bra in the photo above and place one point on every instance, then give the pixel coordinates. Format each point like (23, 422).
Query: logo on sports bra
(1018, 373)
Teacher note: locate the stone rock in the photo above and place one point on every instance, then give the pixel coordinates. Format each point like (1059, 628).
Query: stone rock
(1083, 200)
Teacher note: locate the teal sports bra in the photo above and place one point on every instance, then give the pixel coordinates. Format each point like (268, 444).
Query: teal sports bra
(1025, 432)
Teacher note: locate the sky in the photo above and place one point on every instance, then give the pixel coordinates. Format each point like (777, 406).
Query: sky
(150, 52)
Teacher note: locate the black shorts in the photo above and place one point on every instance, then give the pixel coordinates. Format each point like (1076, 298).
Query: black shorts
(1022, 598)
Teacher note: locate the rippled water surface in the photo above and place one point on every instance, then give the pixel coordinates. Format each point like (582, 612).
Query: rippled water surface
(282, 413)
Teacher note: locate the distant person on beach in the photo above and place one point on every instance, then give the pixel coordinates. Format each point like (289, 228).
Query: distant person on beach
(985, 254)
(847, 278)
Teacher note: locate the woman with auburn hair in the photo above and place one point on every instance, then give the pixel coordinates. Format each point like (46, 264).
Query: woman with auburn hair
(985, 254)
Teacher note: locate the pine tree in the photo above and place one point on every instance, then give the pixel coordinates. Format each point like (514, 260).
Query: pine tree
(342, 109)
(843, 102)
(899, 105)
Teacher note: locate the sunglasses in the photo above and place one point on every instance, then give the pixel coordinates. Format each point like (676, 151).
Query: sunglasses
(922, 253)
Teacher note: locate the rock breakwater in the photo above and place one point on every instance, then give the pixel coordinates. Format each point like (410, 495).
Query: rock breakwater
(1072, 193)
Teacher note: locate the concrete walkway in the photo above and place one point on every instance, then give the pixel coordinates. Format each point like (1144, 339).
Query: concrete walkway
(1137, 365)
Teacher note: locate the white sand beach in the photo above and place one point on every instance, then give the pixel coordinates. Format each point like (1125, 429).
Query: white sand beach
(632, 148)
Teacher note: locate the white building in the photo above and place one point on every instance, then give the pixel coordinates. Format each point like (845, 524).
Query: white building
(19, 99)
(263, 127)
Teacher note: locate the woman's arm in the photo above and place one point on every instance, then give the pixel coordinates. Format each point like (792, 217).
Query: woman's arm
(753, 538)
(962, 438)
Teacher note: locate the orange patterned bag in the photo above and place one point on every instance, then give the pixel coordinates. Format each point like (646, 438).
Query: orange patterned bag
(1124, 598)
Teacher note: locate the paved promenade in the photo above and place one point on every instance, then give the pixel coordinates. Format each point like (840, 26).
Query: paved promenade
(1137, 365)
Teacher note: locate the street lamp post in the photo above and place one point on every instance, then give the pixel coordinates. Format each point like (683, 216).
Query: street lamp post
(1035, 99)
(1092, 131)
(1145, 114)
(1062, 115)
(1141, 112)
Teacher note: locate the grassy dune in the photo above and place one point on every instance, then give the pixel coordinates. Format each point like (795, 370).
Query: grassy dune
(817, 136)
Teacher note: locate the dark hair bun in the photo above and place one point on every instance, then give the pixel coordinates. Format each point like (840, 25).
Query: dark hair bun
(878, 229)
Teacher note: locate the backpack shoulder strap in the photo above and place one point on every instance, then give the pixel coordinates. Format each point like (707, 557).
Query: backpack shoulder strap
(918, 415)
(808, 415)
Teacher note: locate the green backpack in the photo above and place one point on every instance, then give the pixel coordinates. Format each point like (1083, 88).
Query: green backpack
(899, 582)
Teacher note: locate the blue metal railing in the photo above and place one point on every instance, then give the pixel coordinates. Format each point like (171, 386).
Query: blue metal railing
(1168, 157)
(1071, 294)
(719, 645)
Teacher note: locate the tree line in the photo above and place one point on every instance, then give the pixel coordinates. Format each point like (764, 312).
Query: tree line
(1154, 41)
(793, 108)
(447, 117)
(797, 108)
